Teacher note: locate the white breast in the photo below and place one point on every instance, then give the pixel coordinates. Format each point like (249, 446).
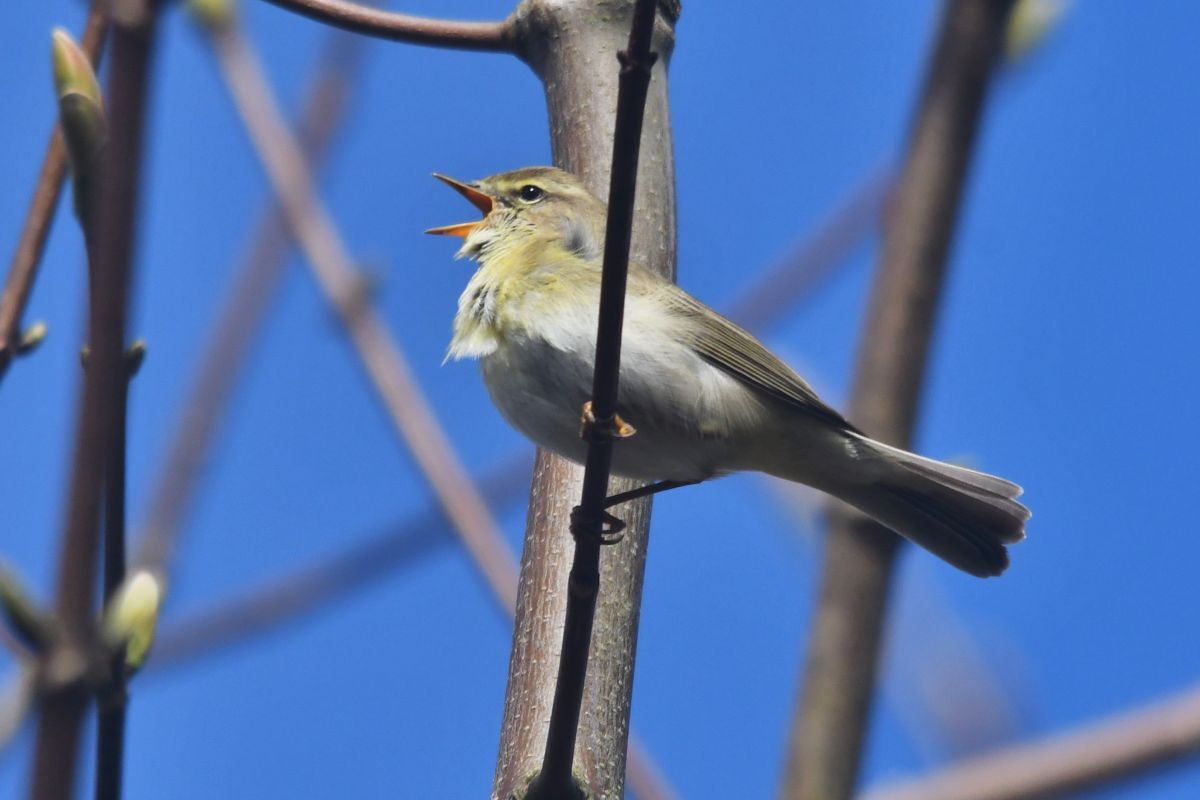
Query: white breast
(688, 413)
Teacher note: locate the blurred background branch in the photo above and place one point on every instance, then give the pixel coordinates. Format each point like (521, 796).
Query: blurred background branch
(22, 270)
(379, 354)
(1097, 754)
(843, 652)
(326, 101)
(110, 229)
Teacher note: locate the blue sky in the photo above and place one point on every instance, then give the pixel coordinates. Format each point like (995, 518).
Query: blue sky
(1064, 360)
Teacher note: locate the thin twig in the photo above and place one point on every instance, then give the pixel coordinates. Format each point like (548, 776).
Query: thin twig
(494, 37)
(555, 779)
(22, 270)
(1100, 753)
(110, 258)
(829, 727)
(243, 312)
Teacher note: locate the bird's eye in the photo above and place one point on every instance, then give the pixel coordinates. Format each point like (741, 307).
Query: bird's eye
(531, 194)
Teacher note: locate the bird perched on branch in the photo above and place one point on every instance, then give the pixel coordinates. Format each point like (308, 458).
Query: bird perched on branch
(705, 396)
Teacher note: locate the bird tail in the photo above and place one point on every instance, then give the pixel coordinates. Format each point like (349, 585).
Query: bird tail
(958, 514)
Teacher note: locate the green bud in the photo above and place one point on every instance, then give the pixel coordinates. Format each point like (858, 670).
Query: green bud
(73, 73)
(81, 116)
(212, 14)
(32, 336)
(132, 615)
(1029, 24)
(134, 357)
(31, 625)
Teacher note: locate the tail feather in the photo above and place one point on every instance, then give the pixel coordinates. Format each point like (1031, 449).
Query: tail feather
(961, 515)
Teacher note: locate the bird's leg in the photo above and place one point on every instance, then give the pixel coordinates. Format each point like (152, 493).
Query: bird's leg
(645, 491)
(600, 430)
(612, 527)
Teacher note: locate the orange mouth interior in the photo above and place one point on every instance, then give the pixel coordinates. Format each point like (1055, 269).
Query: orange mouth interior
(477, 198)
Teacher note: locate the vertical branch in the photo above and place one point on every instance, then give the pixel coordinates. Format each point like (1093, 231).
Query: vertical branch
(563, 42)
(110, 252)
(587, 523)
(112, 699)
(22, 270)
(828, 731)
(111, 702)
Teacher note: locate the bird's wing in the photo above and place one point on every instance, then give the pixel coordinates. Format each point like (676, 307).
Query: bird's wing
(735, 352)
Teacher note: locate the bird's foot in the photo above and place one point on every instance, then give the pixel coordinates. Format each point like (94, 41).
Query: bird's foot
(592, 429)
(608, 530)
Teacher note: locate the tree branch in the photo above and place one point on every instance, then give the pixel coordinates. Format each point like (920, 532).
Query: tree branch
(110, 256)
(829, 727)
(555, 779)
(1106, 751)
(494, 37)
(379, 354)
(112, 699)
(563, 42)
(22, 270)
(316, 586)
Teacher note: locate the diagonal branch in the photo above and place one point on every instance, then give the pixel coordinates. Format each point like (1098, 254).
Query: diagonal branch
(379, 354)
(1123, 746)
(248, 299)
(32, 241)
(817, 256)
(830, 724)
(317, 586)
(485, 36)
(110, 256)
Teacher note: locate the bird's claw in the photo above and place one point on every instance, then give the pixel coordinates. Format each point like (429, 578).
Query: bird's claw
(611, 529)
(592, 429)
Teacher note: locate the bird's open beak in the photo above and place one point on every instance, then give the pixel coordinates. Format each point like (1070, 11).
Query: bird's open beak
(478, 199)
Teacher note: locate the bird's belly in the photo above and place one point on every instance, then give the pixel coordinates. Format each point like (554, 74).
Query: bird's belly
(541, 391)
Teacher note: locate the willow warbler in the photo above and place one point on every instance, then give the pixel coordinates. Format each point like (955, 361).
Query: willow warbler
(706, 397)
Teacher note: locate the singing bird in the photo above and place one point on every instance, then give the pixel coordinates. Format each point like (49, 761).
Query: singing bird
(706, 397)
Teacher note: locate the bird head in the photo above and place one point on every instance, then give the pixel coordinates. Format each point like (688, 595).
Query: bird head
(530, 207)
